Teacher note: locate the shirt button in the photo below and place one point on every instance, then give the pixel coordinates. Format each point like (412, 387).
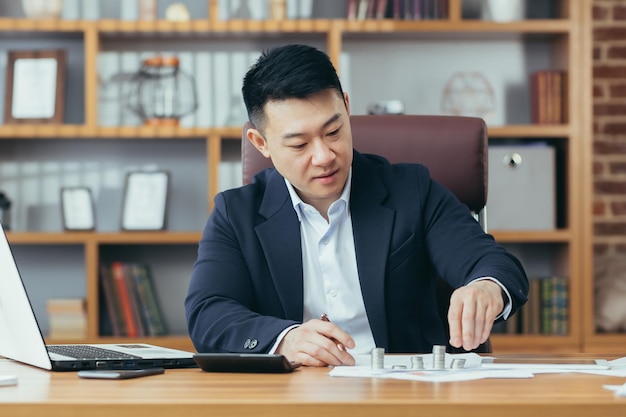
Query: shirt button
(324, 241)
(332, 293)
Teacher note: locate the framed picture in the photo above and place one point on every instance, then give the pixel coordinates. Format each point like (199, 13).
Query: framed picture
(145, 200)
(77, 208)
(35, 85)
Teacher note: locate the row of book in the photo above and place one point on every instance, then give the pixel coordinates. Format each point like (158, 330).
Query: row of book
(131, 307)
(397, 9)
(228, 9)
(545, 313)
(260, 9)
(548, 98)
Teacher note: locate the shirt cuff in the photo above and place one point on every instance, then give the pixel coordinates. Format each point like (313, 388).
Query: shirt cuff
(280, 338)
(508, 305)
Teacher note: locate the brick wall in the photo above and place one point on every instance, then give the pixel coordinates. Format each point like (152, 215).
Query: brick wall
(609, 126)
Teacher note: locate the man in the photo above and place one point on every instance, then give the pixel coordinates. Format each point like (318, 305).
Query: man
(332, 231)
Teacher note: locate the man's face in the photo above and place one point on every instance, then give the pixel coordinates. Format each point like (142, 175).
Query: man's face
(310, 143)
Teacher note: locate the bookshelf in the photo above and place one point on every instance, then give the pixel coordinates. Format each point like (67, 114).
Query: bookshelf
(202, 153)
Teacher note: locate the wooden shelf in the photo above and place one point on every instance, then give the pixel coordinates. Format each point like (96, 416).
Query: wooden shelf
(543, 236)
(82, 131)
(142, 238)
(26, 131)
(322, 26)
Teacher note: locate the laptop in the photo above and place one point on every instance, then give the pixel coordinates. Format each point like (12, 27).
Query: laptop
(21, 338)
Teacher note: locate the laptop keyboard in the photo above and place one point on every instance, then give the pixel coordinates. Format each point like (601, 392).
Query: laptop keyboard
(88, 352)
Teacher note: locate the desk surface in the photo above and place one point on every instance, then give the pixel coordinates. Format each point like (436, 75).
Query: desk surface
(306, 392)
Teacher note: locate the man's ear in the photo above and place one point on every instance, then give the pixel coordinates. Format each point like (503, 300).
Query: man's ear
(346, 100)
(255, 137)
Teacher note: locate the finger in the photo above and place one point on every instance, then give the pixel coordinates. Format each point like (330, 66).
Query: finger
(338, 351)
(332, 331)
(326, 350)
(454, 322)
(468, 324)
(479, 325)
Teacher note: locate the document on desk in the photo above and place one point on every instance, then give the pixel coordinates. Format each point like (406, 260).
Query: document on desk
(547, 365)
(478, 367)
(472, 369)
(619, 390)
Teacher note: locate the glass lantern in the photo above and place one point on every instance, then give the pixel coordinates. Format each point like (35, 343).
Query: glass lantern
(161, 93)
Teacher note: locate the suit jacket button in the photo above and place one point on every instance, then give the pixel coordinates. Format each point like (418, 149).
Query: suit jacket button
(247, 344)
(253, 343)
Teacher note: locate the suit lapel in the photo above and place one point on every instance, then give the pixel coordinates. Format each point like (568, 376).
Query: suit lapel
(372, 224)
(280, 240)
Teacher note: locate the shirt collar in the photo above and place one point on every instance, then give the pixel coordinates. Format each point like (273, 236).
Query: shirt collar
(298, 204)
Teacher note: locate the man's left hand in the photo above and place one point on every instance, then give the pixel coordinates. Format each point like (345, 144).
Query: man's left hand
(473, 309)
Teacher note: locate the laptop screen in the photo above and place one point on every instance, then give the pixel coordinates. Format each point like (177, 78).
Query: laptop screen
(20, 335)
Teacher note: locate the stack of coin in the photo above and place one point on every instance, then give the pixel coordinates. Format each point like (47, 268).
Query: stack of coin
(439, 357)
(417, 362)
(378, 358)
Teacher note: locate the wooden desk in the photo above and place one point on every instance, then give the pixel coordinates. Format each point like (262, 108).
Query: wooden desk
(306, 392)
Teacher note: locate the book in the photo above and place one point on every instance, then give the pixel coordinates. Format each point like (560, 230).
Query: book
(381, 9)
(371, 9)
(151, 313)
(554, 306)
(109, 89)
(361, 13)
(547, 97)
(534, 301)
(125, 298)
(112, 303)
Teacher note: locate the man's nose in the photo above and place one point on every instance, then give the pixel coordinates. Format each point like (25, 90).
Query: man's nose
(322, 154)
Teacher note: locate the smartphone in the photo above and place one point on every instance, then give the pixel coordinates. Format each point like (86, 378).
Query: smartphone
(120, 373)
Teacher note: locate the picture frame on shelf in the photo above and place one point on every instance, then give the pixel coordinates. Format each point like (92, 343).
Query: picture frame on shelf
(77, 209)
(144, 204)
(35, 86)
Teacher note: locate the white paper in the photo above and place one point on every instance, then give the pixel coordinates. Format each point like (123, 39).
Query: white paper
(620, 390)
(476, 367)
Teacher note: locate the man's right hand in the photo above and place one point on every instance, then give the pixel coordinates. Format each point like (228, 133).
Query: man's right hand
(317, 343)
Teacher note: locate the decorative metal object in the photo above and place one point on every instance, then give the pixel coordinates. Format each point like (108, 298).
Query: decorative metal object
(161, 93)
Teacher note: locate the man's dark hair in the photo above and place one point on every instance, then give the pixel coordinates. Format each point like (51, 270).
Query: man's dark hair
(291, 71)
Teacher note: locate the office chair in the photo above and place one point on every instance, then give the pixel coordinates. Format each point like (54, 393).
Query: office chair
(453, 148)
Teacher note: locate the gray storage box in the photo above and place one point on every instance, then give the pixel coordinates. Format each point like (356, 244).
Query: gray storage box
(521, 193)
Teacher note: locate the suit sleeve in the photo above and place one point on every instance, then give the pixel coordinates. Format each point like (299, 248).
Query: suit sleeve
(461, 251)
(222, 296)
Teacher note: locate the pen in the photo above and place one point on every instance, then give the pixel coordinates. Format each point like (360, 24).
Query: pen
(339, 345)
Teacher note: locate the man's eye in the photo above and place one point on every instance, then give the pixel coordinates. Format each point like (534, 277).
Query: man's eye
(301, 146)
(334, 133)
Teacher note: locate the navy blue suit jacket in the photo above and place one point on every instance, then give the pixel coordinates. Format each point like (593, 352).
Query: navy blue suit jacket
(247, 281)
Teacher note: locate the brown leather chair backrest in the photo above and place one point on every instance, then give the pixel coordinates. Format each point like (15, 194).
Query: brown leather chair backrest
(454, 149)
